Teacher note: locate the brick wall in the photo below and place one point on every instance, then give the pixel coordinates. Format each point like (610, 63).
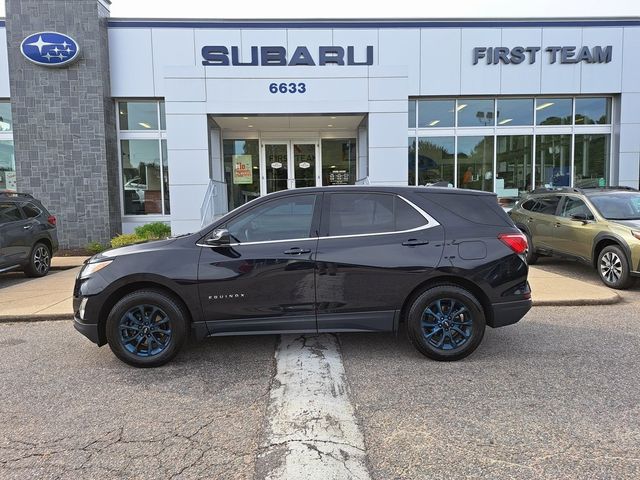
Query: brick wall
(64, 120)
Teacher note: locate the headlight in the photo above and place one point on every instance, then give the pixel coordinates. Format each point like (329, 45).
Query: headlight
(91, 268)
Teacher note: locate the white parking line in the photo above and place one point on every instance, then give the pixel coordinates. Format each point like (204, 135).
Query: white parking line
(311, 426)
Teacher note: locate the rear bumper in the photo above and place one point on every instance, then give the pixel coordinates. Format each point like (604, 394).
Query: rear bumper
(508, 313)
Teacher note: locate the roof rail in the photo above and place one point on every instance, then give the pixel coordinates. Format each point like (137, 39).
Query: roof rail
(612, 187)
(9, 193)
(557, 190)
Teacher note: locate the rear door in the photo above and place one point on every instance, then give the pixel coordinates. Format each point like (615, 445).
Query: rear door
(542, 221)
(14, 235)
(374, 248)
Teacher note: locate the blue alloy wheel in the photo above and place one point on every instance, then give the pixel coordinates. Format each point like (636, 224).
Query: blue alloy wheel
(145, 330)
(447, 324)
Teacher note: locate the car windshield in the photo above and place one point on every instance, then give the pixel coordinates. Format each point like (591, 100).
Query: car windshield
(618, 206)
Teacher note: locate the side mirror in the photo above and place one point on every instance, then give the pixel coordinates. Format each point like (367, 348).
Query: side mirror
(581, 217)
(219, 237)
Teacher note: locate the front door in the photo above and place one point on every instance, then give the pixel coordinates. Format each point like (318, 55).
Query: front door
(264, 280)
(289, 164)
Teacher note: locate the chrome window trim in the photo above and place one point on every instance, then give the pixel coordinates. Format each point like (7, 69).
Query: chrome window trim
(431, 222)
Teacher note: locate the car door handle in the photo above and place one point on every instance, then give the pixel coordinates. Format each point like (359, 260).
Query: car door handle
(296, 251)
(529, 219)
(27, 227)
(557, 225)
(412, 242)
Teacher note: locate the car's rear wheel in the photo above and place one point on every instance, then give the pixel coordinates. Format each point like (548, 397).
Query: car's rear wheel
(613, 268)
(146, 328)
(39, 261)
(532, 256)
(446, 323)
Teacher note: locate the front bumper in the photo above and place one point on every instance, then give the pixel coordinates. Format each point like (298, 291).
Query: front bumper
(87, 325)
(89, 330)
(508, 313)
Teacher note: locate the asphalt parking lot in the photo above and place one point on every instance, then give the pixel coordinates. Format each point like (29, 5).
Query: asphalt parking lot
(556, 396)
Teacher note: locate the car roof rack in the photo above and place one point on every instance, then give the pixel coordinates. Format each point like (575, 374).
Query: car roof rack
(612, 187)
(556, 190)
(9, 193)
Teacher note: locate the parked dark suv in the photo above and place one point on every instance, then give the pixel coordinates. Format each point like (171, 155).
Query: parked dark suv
(28, 235)
(336, 259)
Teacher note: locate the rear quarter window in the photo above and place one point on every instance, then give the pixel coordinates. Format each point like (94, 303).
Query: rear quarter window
(529, 205)
(480, 209)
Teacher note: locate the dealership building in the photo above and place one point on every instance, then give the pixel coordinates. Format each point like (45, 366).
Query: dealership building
(113, 123)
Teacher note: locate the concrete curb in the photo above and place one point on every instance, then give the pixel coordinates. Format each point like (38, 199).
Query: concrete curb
(35, 318)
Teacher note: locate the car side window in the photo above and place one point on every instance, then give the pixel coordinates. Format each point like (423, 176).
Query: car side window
(358, 214)
(575, 206)
(30, 210)
(547, 205)
(280, 219)
(9, 212)
(529, 205)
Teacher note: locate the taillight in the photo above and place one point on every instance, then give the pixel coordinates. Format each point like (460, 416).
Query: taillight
(52, 220)
(515, 241)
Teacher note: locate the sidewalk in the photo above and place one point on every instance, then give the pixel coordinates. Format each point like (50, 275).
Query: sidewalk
(50, 297)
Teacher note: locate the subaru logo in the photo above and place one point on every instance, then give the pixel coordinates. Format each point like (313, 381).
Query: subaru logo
(51, 49)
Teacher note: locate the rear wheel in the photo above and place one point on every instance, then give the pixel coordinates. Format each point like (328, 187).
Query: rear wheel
(146, 328)
(446, 323)
(613, 268)
(39, 261)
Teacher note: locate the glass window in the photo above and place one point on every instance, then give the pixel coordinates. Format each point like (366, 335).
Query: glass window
(412, 114)
(9, 212)
(436, 113)
(593, 110)
(529, 205)
(138, 115)
(30, 210)
(575, 206)
(435, 160)
(163, 116)
(515, 111)
(618, 205)
(165, 177)
(141, 178)
(281, 219)
(553, 111)
(407, 217)
(553, 161)
(591, 160)
(6, 120)
(412, 161)
(547, 205)
(475, 163)
(475, 113)
(357, 213)
(241, 171)
(514, 155)
(7, 166)
(339, 162)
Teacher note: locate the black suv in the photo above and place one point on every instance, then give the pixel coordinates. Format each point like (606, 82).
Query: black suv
(28, 234)
(337, 259)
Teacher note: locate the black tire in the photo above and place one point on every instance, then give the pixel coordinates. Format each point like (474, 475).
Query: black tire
(532, 256)
(135, 317)
(39, 261)
(452, 297)
(613, 268)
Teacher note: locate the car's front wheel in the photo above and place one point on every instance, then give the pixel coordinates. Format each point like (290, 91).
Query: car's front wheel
(146, 328)
(446, 323)
(613, 268)
(39, 261)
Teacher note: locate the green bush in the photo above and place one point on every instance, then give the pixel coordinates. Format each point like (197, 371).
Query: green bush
(153, 231)
(95, 247)
(126, 239)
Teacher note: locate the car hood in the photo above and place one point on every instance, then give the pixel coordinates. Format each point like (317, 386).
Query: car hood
(634, 224)
(131, 249)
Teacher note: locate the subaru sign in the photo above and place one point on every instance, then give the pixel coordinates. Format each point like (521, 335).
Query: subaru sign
(51, 49)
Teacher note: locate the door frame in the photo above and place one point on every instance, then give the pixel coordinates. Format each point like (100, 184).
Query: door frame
(291, 181)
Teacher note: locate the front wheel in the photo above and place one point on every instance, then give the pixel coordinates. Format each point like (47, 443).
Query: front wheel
(613, 268)
(39, 261)
(446, 323)
(146, 328)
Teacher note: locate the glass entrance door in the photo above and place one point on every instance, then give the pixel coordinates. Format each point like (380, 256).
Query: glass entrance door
(289, 164)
